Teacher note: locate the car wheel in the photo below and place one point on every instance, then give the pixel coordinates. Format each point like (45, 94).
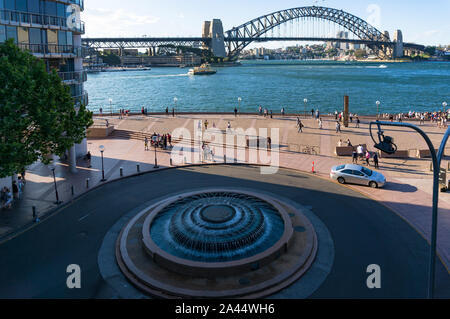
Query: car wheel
(373, 184)
(341, 180)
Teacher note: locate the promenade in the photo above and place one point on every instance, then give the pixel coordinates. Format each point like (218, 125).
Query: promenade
(408, 192)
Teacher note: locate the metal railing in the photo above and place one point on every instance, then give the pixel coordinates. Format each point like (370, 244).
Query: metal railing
(29, 18)
(49, 49)
(76, 76)
(81, 99)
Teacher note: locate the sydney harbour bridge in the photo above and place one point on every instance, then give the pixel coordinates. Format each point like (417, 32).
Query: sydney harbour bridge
(311, 23)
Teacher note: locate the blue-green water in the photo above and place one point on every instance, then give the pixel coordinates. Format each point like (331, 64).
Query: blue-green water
(400, 87)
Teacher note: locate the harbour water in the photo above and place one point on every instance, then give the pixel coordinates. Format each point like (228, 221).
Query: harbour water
(400, 87)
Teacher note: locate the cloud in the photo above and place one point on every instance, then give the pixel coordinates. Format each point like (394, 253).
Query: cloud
(118, 22)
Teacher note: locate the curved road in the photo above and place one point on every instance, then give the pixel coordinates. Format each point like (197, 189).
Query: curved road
(364, 232)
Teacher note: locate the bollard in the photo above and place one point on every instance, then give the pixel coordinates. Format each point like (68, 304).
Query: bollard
(171, 162)
(35, 217)
(225, 159)
(72, 190)
(121, 172)
(138, 168)
(87, 182)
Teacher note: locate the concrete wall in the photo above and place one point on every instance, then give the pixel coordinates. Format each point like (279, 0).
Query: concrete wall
(7, 181)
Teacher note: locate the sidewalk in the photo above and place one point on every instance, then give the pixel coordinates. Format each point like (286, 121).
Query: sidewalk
(408, 192)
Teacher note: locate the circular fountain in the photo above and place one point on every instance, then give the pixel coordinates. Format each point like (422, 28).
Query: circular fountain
(235, 242)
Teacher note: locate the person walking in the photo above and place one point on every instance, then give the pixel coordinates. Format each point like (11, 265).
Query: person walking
(300, 126)
(338, 127)
(354, 157)
(173, 112)
(282, 112)
(271, 114)
(320, 124)
(260, 110)
(8, 198)
(357, 122)
(235, 112)
(146, 143)
(360, 151)
(206, 125)
(367, 158)
(375, 161)
(167, 110)
(15, 189)
(312, 113)
(88, 159)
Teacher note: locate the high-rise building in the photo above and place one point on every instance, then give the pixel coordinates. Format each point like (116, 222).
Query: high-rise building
(50, 30)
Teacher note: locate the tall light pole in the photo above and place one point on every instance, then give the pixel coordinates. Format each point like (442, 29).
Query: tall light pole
(436, 159)
(239, 101)
(306, 102)
(52, 167)
(102, 149)
(110, 106)
(156, 158)
(378, 109)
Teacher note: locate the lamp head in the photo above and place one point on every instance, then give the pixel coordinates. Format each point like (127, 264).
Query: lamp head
(378, 102)
(101, 148)
(305, 100)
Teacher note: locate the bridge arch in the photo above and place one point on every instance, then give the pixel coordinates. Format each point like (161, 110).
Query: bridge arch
(241, 36)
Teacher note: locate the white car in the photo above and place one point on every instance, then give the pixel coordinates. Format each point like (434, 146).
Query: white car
(357, 174)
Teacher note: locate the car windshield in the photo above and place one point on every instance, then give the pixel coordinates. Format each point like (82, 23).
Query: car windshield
(366, 171)
(340, 167)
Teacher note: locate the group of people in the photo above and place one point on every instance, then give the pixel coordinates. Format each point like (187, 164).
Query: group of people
(269, 113)
(8, 195)
(158, 140)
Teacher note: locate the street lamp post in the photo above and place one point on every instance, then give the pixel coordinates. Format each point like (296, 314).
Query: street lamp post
(239, 107)
(378, 109)
(175, 100)
(156, 158)
(306, 102)
(436, 159)
(102, 149)
(52, 167)
(110, 106)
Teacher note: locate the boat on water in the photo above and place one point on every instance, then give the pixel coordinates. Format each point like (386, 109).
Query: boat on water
(204, 69)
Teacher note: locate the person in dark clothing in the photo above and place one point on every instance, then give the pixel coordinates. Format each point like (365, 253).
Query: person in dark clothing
(375, 160)
(355, 156)
(235, 112)
(173, 112)
(167, 111)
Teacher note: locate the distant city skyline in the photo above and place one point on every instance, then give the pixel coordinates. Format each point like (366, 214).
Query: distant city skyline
(419, 21)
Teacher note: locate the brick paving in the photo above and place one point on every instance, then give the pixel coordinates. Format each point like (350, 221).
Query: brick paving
(408, 193)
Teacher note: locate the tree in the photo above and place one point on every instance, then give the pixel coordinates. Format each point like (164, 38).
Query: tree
(360, 53)
(111, 59)
(37, 113)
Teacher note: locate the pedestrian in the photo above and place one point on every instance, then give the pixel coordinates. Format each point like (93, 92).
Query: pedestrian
(317, 114)
(3, 196)
(336, 115)
(269, 143)
(349, 144)
(169, 138)
(206, 125)
(229, 126)
(357, 122)
(165, 141)
(22, 175)
(360, 151)
(375, 161)
(15, 189)
(8, 198)
(235, 112)
(312, 113)
(338, 127)
(88, 159)
(300, 126)
(354, 157)
(146, 143)
(101, 111)
(167, 110)
(282, 112)
(173, 112)
(20, 185)
(271, 114)
(260, 110)
(320, 124)
(351, 118)
(367, 158)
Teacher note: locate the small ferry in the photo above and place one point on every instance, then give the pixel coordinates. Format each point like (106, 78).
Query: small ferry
(204, 69)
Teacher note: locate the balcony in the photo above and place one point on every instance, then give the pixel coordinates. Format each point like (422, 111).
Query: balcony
(51, 50)
(73, 77)
(81, 99)
(27, 19)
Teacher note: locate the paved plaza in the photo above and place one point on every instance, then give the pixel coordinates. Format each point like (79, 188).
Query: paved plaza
(408, 192)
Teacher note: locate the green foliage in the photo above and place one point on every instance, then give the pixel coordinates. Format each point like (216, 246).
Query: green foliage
(430, 50)
(111, 59)
(360, 53)
(37, 114)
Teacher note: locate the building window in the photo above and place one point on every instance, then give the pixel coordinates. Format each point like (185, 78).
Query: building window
(2, 33)
(11, 33)
(33, 6)
(22, 35)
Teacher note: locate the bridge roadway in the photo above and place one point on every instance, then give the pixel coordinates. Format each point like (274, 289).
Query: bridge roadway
(116, 43)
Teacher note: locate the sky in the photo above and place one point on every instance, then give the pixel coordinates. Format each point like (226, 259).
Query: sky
(423, 22)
